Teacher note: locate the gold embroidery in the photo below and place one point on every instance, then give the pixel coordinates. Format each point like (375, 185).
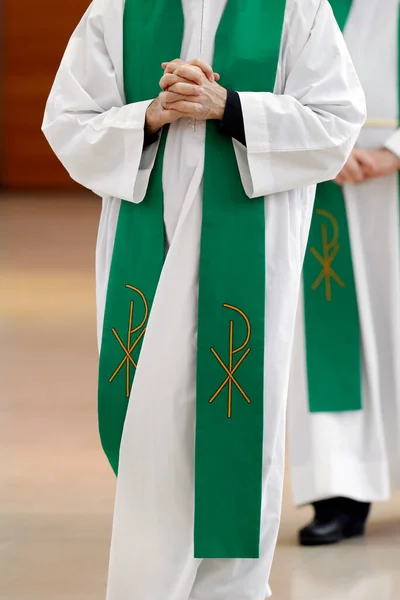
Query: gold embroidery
(330, 251)
(231, 369)
(128, 348)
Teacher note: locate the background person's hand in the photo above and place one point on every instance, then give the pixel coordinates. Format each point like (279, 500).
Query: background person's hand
(383, 162)
(368, 164)
(357, 169)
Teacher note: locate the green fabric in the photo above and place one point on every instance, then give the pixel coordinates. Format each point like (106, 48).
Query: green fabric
(138, 254)
(229, 438)
(331, 311)
(229, 427)
(330, 301)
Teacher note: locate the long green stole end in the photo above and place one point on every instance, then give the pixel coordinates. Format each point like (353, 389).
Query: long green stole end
(332, 327)
(231, 319)
(331, 310)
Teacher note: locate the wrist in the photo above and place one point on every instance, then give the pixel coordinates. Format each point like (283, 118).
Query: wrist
(152, 123)
(221, 105)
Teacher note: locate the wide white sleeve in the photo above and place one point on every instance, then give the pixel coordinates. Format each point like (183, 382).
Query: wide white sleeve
(393, 143)
(98, 138)
(304, 135)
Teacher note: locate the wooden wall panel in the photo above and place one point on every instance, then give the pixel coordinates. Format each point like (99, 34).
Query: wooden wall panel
(35, 36)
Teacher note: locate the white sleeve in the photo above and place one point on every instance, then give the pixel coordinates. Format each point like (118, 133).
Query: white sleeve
(393, 143)
(305, 135)
(98, 138)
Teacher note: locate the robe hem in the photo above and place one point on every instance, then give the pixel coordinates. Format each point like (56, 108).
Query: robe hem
(361, 481)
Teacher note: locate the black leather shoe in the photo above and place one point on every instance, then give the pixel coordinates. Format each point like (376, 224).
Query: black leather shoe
(320, 533)
(336, 519)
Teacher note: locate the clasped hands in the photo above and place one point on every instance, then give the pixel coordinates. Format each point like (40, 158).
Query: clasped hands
(368, 164)
(189, 90)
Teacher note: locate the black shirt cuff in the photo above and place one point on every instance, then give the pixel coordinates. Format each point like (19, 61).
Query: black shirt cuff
(233, 123)
(150, 138)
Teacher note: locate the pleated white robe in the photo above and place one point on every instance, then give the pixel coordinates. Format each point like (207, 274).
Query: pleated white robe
(357, 454)
(296, 138)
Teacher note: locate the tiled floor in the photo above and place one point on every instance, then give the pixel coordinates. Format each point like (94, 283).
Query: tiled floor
(56, 493)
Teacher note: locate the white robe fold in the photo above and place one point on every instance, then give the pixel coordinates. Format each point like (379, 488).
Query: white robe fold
(296, 138)
(357, 454)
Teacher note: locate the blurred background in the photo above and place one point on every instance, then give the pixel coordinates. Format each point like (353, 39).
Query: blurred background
(56, 495)
(32, 47)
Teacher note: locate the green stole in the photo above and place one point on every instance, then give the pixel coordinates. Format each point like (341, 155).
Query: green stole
(332, 325)
(231, 322)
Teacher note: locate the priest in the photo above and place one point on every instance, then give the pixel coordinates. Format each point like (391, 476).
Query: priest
(344, 408)
(208, 184)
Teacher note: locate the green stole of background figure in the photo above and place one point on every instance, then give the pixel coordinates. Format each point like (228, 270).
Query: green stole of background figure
(332, 326)
(231, 327)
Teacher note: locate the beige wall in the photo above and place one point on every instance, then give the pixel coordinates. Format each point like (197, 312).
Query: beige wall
(36, 34)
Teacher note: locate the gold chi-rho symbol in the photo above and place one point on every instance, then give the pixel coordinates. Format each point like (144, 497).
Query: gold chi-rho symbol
(330, 249)
(231, 368)
(128, 361)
